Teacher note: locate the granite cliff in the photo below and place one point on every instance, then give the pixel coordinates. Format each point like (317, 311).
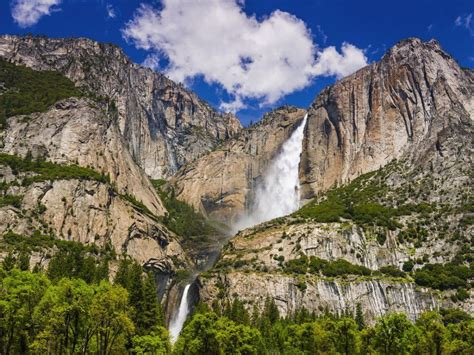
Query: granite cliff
(164, 125)
(399, 106)
(385, 172)
(71, 175)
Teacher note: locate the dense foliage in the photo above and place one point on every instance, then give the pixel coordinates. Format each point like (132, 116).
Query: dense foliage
(11, 200)
(24, 90)
(444, 277)
(181, 217)
(438, 276)
(233, 330)
(70, 309)
(359, 202)
(143, 300)
(41, 314)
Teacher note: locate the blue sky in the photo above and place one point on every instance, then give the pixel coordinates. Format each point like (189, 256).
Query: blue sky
(252, 55)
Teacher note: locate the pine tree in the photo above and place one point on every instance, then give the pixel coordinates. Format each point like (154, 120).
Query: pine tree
(122, 277)
(359, 318)
(24, 260)
(255, 316)
(238, 313)
(271, 310)
(9, 262)
(152, 312)
(137, 296)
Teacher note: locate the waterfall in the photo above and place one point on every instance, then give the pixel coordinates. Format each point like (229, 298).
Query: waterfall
(278, 194)
(178, 321)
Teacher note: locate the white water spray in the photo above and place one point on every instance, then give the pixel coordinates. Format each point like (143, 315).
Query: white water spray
(279, 192)
(177, 322)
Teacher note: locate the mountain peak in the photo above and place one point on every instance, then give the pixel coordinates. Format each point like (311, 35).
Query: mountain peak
(414, 46)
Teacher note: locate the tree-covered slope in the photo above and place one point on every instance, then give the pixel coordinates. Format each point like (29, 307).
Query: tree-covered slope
(24, 90)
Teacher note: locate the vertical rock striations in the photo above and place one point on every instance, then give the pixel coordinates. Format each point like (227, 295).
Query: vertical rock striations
(120, 210)
(398, 106)
(390, 239)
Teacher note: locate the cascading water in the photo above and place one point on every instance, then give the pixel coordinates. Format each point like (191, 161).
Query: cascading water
(178, 321)
(279, 192)
(277, 195)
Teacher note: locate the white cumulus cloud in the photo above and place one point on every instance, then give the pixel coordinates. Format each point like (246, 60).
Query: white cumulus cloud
(263, 59)
(331, 62)
(27, 13)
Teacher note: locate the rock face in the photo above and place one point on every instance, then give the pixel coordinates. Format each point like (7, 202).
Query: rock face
(415, 106)
(376, 297)
(221, 184)
(397, 106)
(164, 125)
(77, 131)
(253, 267)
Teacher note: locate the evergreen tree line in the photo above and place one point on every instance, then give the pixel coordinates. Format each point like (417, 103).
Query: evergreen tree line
(233, 330)
(24, 90)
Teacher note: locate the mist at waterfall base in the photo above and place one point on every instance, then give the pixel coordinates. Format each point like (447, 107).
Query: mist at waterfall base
(278, 194)
(178, 320)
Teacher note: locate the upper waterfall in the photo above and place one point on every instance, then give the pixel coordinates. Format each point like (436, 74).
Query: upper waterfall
(278, 194)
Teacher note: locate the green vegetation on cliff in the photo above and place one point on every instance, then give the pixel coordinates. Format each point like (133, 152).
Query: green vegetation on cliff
(315, 265)
(10, 200)
(359, 201)
(181, 217)
(24, 90)
(44, 170)
(444, 277)
(438, 276)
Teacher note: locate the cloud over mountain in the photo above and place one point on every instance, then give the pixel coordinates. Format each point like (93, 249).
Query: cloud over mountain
(251, 58)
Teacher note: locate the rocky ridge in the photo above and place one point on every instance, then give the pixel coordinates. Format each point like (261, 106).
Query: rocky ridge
(165, 125)
(407, 117)
(121, 209)
(397, 106)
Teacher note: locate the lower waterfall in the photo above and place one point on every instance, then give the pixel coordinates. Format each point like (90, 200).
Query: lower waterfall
(177, 322)
(278, 194)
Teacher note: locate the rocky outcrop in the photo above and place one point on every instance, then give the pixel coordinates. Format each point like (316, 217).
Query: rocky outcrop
(91, 213)
(393, 108)
(77, 131)
(263, 246)
(164, 125)
(252, 268)
(221, 184)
